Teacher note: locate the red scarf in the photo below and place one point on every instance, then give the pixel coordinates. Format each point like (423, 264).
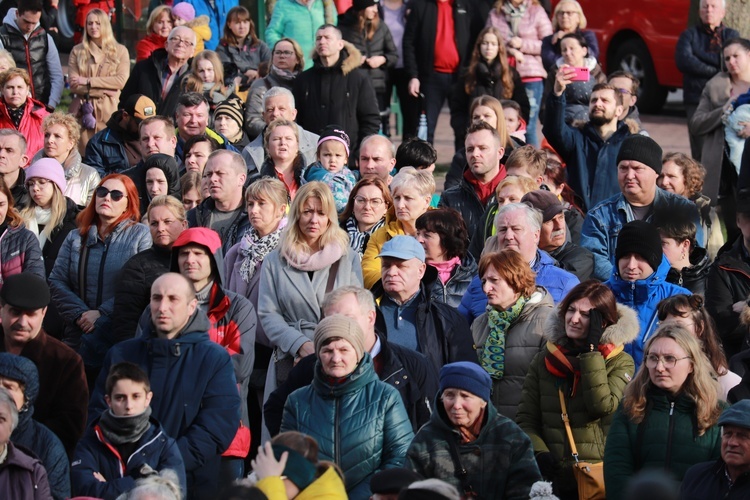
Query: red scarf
(484, 191)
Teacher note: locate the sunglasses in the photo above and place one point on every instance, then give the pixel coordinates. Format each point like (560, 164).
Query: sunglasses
(115, 194)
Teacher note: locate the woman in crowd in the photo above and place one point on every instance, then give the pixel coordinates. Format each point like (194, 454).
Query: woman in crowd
(287, 61)
(443, 235)
(190, 185)
(689, 312)
(365, 211)
(18, 111)
(61, 135)
(667, 419)
(158, 26)
(466, 426)
(207, 77)
(166, 219)
(567, 18)
(283, 158)
(523, 24)
(689, 263)
(98, 69)
(299, 20)
(196, 152)
(6, 61)
(359, 422)
(412, 191)
(108, 235)
(19, 248)
(240, 50)
(362, 27)
(510, 333)
(229, 117)
(312, 259)
(584, 362)
(160, 177)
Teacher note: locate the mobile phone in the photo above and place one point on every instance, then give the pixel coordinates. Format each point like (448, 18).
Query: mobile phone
(581, 74)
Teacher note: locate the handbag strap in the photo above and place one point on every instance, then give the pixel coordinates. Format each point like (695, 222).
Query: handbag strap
(332, 272)
(566, 421)
(461, 472)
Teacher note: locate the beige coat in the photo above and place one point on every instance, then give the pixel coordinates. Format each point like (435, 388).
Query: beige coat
(108, 76)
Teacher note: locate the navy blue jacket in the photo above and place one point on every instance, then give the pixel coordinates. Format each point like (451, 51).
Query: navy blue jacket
(697, 63)
(106, 152)
(708, 480)
(95, 453)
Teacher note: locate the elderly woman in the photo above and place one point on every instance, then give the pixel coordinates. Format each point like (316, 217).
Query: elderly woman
(283, 158)
(567, 18)
(158, 26)
(667, 419)
(312, 259)
(108, 235)
(359, 422)
(61, 136)
(412, 191)
(98, 69)
(365, 211)
(443, 235)
(510, 333)
(583, 362)
(287, 61)
(19, 247)
(18, 111)
(21, 475)
(466, 434)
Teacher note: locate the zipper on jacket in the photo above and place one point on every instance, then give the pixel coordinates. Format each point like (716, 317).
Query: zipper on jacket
(336, 434)
(668, 459)
(101, 274)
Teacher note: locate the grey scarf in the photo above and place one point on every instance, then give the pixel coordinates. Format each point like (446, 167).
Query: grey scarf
(121, 430)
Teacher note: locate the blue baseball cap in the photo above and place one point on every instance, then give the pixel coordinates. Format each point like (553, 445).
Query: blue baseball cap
(403, 247)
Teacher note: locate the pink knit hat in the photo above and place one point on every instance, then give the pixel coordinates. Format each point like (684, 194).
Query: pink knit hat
(50, 169)
(184, 11)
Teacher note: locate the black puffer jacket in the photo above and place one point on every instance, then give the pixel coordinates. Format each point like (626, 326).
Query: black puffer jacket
(166, 164)
(694, 277)
(381, 44)
(463, 198)
(55, 241)
(146, 79)
(454, 289)
(32, 48)
(489, 82)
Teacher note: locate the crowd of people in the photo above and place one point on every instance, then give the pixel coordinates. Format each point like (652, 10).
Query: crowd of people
(220, 278)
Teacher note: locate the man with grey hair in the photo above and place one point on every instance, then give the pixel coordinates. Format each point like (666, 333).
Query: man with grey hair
(278, 102)
(13, 159)
(518, 227)
(377, 157)
(224, 210)
(406, 370)
(160, 76)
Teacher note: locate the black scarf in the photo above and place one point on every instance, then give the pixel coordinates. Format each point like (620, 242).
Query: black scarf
(121, 430)
(17, 114)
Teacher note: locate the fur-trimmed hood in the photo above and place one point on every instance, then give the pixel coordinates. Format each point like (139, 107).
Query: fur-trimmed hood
(349, 59)
(623, 332)
(633, 126)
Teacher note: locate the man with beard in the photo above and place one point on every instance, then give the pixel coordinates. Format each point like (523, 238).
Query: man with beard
(589, 150)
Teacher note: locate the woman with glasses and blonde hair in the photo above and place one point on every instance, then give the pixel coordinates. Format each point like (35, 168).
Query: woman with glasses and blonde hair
(365, 211)
(668, 415)
(567, 18)
(98, 69)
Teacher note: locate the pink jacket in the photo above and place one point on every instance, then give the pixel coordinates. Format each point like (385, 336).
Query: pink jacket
(534, 26)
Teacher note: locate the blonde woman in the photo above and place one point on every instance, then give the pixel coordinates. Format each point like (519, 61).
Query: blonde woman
(98, 69)
(412, 192)
(61, 135)
(207, 76)
(158, 26)
(6, 61)
(311, 248)
(667, 419)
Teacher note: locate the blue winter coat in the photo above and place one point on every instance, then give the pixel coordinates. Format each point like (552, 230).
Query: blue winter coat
(557, 281)
(106, 152)
(643, 296)
(95, 453)
(217, 16)
(195, 394)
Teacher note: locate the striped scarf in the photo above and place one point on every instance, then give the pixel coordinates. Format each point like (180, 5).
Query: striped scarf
(563, 362)
(493, 354)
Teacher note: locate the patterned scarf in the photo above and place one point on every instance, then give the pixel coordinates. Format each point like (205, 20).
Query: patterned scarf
(16, 114)
(513, 15)
(358, 239)
(493, 355)
(255, 248)
(283, 74)
(563, 362)
(717, 37)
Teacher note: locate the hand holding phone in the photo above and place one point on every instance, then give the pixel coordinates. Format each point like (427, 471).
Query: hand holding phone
(580, 74)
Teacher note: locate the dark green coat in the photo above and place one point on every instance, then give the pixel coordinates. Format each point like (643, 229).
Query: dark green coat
(669, 441)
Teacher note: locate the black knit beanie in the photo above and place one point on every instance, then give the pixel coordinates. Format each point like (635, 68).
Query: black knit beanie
(643, 149)
(641, 238)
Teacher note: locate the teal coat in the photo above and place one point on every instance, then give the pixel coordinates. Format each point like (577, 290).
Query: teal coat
(360, 424)
(294, 19)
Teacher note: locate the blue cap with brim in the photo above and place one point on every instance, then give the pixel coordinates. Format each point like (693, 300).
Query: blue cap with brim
(403, 247)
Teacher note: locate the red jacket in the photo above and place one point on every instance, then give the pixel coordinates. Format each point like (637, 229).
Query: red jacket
(31, 124)
(147, 45)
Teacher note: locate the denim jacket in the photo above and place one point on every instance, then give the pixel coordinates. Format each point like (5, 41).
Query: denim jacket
(603, 223)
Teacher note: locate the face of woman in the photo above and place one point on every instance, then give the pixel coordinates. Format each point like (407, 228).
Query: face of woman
(57, 142)
(226, 126)
(6, 425)
(106, 207)
(197, 157)
(15, 92)
(284, 56)
(509, 194)
(191, 199)
(486, 114)
(489, 47)
(499, 294)
(165, 226)
(282, 145)
(737, 60)
(338, 358)
(369, 205)
(410, 204)
(462, 407)
(240, 29)
(572, 52)
(567, 17)
(433, 249)
(577, 319)
(313, 220)
(3, 207)
(264, 216)
(93, 27)
(156, 182)
(672, 179)
(665, 351)
(371, 12)
(41, 191)
(163, 25)
(206, 71)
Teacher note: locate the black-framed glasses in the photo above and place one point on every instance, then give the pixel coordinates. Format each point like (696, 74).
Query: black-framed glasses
(180, 41)
(286, 53)
(115, 194)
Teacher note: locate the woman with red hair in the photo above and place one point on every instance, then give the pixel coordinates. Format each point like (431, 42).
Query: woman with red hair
(88, 266)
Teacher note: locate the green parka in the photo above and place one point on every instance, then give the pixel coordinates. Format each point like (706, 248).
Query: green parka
(592, 408)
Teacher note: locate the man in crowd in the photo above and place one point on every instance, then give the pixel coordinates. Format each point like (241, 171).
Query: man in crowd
(224, 210)
(13, 158)
(627, 84)
(195, 392)
(117, 147)
(193, 114)
(377, 157)
(34, 50)
(638, 167)
(63, 392)
(589, 151)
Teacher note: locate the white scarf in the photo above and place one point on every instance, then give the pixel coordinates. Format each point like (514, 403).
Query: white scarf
(41, 217)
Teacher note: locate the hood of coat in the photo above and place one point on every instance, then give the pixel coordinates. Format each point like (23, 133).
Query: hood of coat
(624, 331)
(168, 165)
(22, 370)
(208, 239)
(194, 331)
(349, 59)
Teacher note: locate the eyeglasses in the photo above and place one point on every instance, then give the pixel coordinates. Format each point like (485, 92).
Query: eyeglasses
(115, 194)
(624, 91)
(180, 41)
(285, 53)
(37, 182)
(669, 362)
(374, 202)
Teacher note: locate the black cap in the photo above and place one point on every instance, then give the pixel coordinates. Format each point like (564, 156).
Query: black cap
(26, 291)
(643, 149)
(391, 481)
